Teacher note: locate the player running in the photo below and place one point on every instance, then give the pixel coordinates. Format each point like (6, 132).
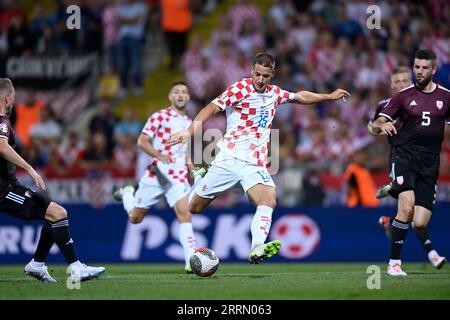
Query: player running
(416, 116)
(400, 79)
(166, 175)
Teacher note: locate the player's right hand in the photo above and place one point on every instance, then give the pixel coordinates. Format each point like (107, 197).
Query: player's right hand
(165, 158)
(179, 137)
(388, 128)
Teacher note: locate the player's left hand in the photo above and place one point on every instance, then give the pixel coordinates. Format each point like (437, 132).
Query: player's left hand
(179, 137)
(388, 128)
(339, 94)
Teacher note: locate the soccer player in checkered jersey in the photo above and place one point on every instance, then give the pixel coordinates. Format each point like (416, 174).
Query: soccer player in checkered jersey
(250, 106)
(166, 174)
(26, 204)
(416, 117)
(400, 79)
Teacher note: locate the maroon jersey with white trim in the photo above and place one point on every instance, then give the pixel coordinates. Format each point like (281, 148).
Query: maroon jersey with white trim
(249, 119)
(421, 116)
(7, 169)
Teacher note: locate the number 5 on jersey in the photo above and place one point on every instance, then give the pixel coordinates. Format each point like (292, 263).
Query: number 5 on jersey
(426, 118)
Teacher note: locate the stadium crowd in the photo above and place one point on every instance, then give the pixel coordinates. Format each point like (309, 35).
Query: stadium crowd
(319, 45)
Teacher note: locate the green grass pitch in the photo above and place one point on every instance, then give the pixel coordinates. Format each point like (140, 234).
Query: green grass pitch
(233, 281)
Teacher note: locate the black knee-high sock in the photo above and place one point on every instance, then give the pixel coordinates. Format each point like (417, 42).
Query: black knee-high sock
(61, 236)
(45, 243)
(422, 234)
(399, 231)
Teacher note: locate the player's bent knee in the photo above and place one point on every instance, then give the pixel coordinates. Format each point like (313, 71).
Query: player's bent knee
(407, 208)
(55, 213)
(419, 226)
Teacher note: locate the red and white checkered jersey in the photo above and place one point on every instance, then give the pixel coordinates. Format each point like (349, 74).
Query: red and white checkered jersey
(249, 119)
(159, 127)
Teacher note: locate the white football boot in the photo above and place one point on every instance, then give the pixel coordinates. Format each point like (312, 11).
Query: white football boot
(81, 272)
(436, 260)
(40, 273)
(396, 270)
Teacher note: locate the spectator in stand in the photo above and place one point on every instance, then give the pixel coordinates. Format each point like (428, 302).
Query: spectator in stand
(110, 22)
(129, 126)
(176, 22)
(360, 184)
(20, 38)
(46, 134)
(47, 44)
(244, 11)
(66, 159)
(97, 154)
(193, 57)
(47, 128)
(132, 21)
(249, 39)
(125, 155)
(27, 115)
(71, 150)
(104, 122)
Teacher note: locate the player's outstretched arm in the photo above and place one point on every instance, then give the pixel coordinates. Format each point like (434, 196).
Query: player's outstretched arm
(8, 153)
(184, 135)
(145, 143)
(382, 126)
(308, 97)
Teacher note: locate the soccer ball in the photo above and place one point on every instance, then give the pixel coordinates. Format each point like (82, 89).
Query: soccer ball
(204, 262)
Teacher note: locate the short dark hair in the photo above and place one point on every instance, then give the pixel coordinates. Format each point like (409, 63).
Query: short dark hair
(177, 83)
(264, 59)
(425, 54)
(400, 69)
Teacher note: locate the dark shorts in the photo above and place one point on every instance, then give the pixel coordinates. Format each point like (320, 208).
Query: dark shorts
(24, 203)
(419, 176)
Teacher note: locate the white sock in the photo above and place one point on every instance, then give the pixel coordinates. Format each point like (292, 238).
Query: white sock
(432, 253)
(128, 201)
(261, 225)
(394, 261)
(187, 240)
(198, 179)
(37, 264)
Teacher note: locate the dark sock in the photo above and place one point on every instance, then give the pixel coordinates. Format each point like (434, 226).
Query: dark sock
(399, 231)
(45, 243)
(422, 234)
(61, 236)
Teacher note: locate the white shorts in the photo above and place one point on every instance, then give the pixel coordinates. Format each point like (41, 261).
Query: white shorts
(227, 171)
(152, 187)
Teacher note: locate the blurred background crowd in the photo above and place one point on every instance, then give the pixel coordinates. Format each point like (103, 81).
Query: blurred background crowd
(319, 45)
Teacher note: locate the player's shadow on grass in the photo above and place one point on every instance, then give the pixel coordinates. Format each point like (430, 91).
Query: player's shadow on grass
(14, 280)
(428, 273)
(245, 275)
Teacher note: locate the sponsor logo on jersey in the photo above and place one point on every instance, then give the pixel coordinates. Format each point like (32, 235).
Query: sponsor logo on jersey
(4, 127)
(413, 103)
